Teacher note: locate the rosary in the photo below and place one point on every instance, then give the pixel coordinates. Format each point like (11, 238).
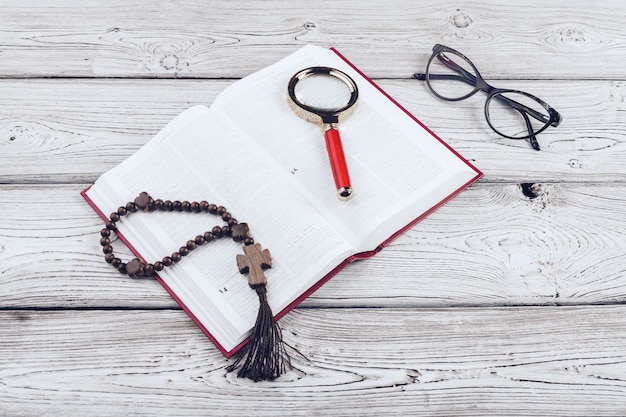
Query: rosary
(265, 356)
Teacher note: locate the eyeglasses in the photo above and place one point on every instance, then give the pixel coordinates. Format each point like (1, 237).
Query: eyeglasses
(513, 114)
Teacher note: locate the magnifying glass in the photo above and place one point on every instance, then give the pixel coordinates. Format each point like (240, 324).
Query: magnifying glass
(325, 96)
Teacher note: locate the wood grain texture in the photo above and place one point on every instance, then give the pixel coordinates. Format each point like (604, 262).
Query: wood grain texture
(491, 245)
(352, 362)
(71, 131)
(509, 300)
(533, 39)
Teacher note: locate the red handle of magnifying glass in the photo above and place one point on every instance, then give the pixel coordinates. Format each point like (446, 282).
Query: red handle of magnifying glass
(338, 163)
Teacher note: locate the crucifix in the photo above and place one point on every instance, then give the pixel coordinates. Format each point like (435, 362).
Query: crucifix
(253, 263)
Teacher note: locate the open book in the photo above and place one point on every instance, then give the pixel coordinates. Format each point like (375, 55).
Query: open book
(250, 153)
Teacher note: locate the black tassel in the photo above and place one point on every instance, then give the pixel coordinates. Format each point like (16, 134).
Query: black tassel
(265, 354)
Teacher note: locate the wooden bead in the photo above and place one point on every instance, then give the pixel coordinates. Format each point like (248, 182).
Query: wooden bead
(158, 266)
(221, 210)
(212, 209)
(176, 257)
(107, 249)
(177, 205)
(183, 251)
(122, 211)
(217, 232)
(114, 217)
(225, 230)
(104, 241)
(200, 240)
(248, 241)
(208, 236)
(195, 207)
(105, 232)
(239, 232)
(204, 205)
(167, 261)
(135, 268)
(148, 271)
(143, 201)
(110, 225)
(158, 204)
(185, 206)
(191, 245)
(116, 262)
(167, 205)
(109, 257)
(232, 221)
(131, 207)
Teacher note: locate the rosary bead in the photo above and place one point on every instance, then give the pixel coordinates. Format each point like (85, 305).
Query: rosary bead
(122, 211)
(131, 207)
(232, 221)
(239, 232)
(158, 266)
(208, 236)
(176, 257)
(107, 249)
(183, 251)
(204, 205)
(149, 270)
(114, 217)
(109, 257)
(200, 240)
(191, 245)
(158, 204)
(116, 262)
(217, 232)
(225, 230)
(143, 201)
(248, 241)
(167, 205)
(105, 232)
(212, 209)
(195, 207)
(185, 206)
(177, 205)
(104, 241)
(110, 225)
(226, 216)
(135, 268)
(167, 261)
(221, 210)
(122, 268)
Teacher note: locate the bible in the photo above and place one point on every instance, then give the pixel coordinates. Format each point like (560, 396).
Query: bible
(249, 152)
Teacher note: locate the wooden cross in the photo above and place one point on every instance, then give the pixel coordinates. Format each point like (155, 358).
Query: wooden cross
(253, 263)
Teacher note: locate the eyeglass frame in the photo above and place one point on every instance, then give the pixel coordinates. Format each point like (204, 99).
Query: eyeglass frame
(481, 85)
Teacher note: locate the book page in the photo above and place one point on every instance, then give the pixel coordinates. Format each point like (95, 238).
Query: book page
(398, 169)
(197, 158)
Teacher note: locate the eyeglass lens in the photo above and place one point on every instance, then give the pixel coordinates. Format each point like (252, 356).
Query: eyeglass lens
(510, 113)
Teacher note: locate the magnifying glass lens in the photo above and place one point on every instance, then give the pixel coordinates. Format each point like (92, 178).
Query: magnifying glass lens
(323, 92)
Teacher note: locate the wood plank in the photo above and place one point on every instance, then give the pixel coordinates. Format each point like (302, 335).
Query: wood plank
(491, 245)
(533, 39)
(505, 361)
(70, 131)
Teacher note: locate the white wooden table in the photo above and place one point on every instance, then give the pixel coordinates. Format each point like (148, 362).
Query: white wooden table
(509, 300)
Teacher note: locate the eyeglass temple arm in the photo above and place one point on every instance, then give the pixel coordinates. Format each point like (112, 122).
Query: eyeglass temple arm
(531, 135)
(524, 109)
